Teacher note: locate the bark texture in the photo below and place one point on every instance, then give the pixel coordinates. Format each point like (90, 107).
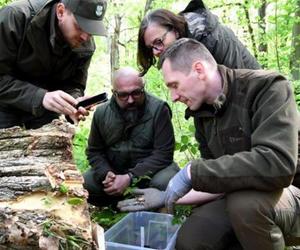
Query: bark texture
(42, 200)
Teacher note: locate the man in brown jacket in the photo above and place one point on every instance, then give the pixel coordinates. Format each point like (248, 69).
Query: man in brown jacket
(45, 51)
(246, 125)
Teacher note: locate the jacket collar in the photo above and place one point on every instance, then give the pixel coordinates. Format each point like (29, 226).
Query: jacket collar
(56, 38)
(207, 110)
(45, 20)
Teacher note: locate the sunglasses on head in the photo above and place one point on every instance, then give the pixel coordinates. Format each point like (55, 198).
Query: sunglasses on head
(123, 96)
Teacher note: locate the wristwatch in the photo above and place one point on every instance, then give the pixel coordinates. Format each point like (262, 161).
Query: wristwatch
(131, 176)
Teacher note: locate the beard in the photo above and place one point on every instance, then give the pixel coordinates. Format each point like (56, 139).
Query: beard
(132, 113)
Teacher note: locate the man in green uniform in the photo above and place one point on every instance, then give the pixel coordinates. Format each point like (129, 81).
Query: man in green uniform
(246, 126)
(131, 137)
(45, 51)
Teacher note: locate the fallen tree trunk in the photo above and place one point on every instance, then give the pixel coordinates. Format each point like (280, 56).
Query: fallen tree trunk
(42, 200)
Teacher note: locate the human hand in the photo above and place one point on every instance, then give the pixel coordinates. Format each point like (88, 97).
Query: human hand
(178, 186)
(109, 179)
(79, 115)
(82, 112)
(146, 199)
(118, 186)
(60, 102)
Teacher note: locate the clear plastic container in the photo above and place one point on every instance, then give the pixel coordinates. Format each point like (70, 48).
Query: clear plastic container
(142, 230)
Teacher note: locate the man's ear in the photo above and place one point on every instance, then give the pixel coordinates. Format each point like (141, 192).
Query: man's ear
(60, 10)
(199, 68)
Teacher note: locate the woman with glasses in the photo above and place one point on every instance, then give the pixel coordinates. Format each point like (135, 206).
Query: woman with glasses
(161, 27)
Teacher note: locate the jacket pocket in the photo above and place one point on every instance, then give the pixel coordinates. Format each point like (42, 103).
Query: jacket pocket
(234, 140)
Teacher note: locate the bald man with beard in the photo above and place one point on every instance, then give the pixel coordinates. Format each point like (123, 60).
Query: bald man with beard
(131, 137)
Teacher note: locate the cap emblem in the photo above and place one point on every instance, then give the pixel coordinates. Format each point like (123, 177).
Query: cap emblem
(99, 10)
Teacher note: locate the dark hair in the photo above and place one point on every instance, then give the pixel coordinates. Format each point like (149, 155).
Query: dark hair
(165, 18)
(183, 53)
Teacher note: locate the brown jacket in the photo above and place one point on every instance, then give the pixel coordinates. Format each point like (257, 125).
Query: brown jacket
(251, 142)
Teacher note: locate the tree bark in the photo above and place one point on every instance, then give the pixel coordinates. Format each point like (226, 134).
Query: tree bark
(262, 47)
(250, 29)
(295, 57)
(42, 200)
(147, 6)
(115, 53)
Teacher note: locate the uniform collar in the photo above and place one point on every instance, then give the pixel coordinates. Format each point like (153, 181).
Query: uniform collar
(56, 38)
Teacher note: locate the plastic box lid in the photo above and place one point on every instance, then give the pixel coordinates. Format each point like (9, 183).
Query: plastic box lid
(142, 230)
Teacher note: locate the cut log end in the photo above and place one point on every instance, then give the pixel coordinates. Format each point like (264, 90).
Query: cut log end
(42, 201)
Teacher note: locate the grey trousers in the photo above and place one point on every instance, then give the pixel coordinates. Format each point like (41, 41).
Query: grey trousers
(246, 219)
(98, 197)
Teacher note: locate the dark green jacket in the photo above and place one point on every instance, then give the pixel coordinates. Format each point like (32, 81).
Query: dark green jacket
(34, 58)
(220, 40)
(143, 148)
(251, 141)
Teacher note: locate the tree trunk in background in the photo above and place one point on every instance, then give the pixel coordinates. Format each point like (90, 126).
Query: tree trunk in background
(147, 6)
(115, 54)
(276, 37)
(42, 200)
(250, 29)
(295, 57)
(262, 46)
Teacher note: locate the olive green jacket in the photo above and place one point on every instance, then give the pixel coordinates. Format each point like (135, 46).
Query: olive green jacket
(34, 57)
(251, 142)
(143, 148)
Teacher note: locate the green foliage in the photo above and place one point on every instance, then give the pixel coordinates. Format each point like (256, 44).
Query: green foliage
(279, 35)
(47, 200)
(75, 201)
(181, 212)
(297, 92)
(4, 2)
(188, 144)
(107, 216)
(67, 238)
(46, 228)
(75, 242)
(79, 147)
(63, 188)
(134, 183)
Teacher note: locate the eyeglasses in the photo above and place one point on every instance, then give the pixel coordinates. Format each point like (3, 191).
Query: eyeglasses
(135, 94)
(158, 43)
